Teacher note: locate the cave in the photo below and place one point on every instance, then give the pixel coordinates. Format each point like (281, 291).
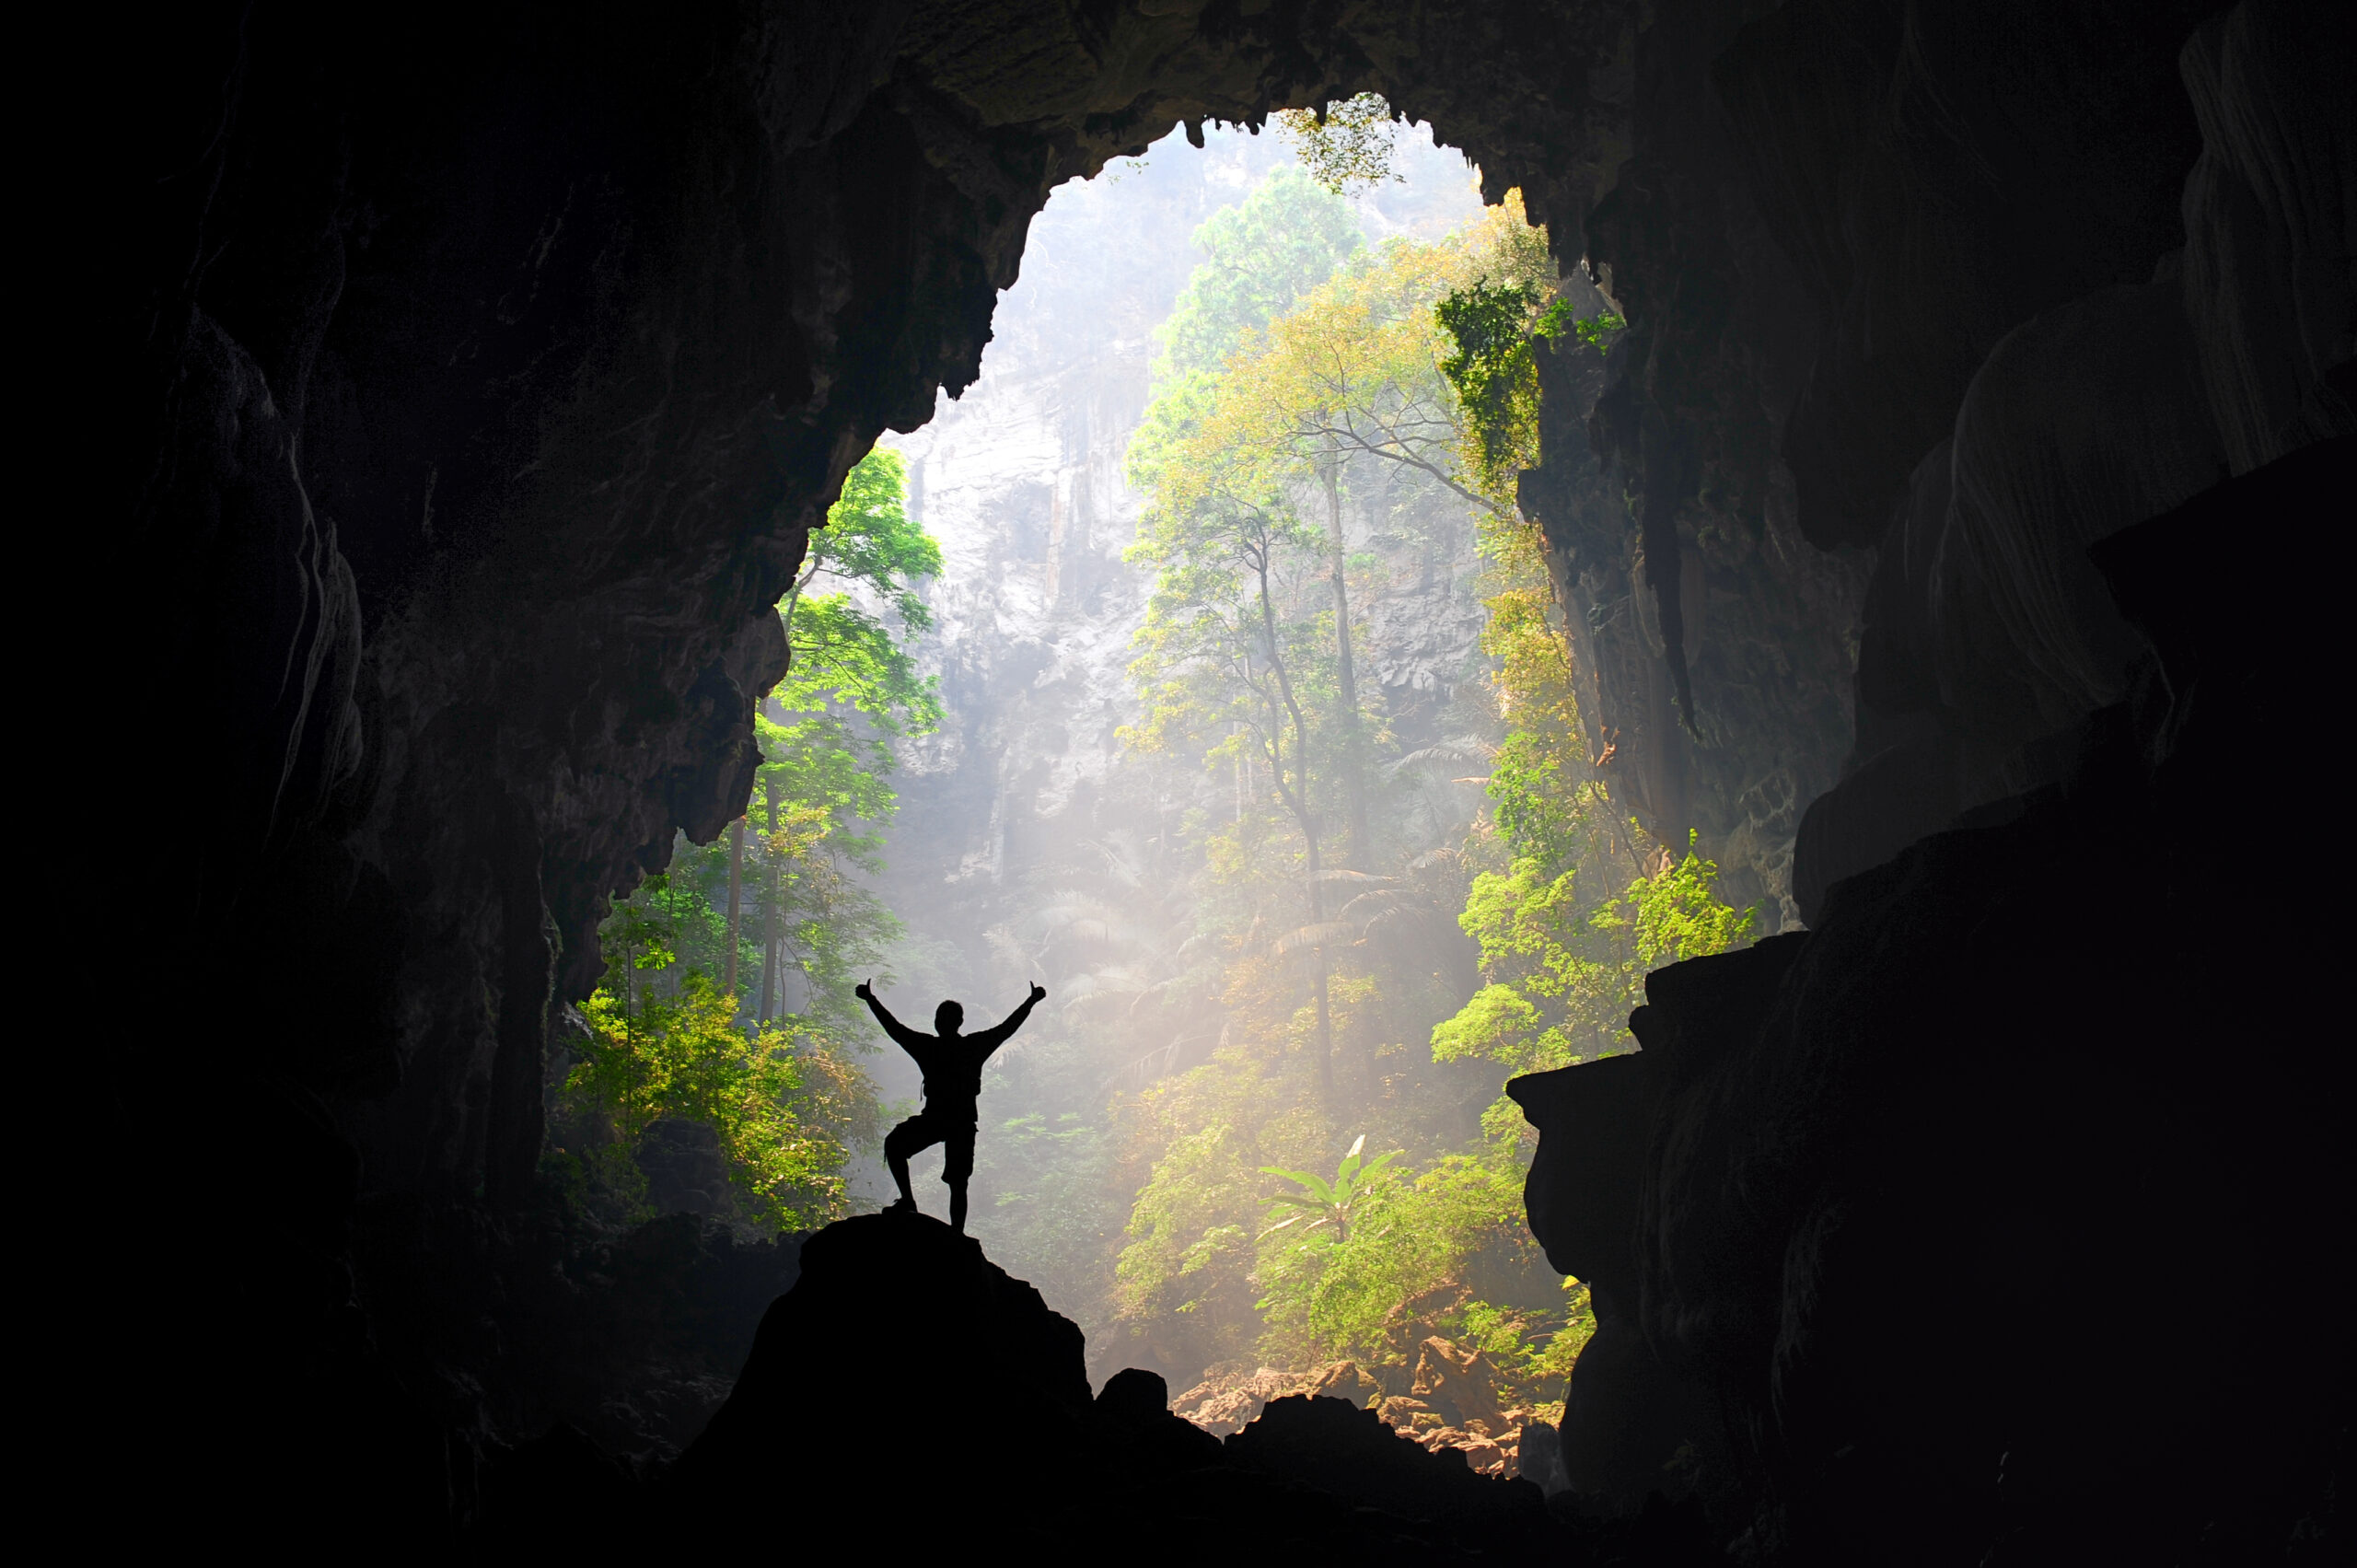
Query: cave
(484, 376)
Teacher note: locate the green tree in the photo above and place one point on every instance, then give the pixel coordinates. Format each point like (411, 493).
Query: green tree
(1344, 144)
(827, 734)
(1579, 904)
(1259, 256)
(1227, 664)
(1351, 375)
(780, 1114)
(1410, 369)
(668, 1036)
(1324, 1202)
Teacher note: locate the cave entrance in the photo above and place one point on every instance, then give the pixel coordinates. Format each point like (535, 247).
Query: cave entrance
(1199, 663)
(479, 384)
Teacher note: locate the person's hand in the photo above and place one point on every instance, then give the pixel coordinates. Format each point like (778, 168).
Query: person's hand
(862, 993)
(1039, 993)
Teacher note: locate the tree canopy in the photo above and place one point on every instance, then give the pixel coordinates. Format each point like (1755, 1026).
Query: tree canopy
(1404, 382)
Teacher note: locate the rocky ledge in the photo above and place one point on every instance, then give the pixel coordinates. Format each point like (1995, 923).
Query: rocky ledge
(854, 1415)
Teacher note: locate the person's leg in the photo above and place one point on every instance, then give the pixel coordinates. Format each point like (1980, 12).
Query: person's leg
(957, 1168)
(901, 1144)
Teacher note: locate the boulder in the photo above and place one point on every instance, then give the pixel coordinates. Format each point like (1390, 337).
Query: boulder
(1353, 1454)
(895, 1322)
(1133, 1436)
(1231, 1397)
(1342, 1381)
(1459, 1383)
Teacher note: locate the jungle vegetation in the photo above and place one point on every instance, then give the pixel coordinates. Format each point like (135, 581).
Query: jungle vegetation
(1398, 382)
(1321, 973)
(726, 1006)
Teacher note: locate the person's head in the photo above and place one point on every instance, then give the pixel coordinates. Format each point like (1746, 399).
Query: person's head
(948, 1018)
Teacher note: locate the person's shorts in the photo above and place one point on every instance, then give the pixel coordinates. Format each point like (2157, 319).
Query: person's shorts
(955, 1134)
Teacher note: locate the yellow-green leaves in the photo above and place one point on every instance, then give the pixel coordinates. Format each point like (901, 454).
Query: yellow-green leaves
(1349, 143)
(770, 1106)
(1498, 1024)
(1565, 968)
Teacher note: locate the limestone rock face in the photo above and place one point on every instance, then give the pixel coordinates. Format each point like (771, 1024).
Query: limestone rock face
(2270, 225)
(1988, 635)
(1459, 1383)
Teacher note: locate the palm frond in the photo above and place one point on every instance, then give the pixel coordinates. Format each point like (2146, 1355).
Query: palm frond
(1316, 1183)
(1323, 933)
(1461, 748)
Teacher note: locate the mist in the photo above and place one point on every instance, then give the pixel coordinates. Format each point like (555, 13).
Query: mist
(1029, 843)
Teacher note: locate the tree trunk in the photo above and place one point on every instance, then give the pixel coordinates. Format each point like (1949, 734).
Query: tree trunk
(1298, 800)
(1362, 853)
(736, 878)
(769, 958)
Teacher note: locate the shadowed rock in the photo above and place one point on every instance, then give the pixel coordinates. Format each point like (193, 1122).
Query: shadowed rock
(1896, 1194)
(900, 1335)
(895, 1323)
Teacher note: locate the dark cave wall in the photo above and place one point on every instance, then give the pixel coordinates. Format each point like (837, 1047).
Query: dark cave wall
(535, 345)
(475, 380)
(486, 375)
(2213, 317)
(1872, 1220)
(2006, 1210)
(565, 336)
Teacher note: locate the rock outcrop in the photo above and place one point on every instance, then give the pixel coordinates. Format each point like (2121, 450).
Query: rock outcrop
(1901, 1196)
(895, 1322)
(912, 1384)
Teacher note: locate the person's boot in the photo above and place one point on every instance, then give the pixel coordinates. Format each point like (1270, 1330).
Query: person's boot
(904, 1204)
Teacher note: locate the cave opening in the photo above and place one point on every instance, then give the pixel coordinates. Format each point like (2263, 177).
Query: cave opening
(1042, 727)
(1924, 434)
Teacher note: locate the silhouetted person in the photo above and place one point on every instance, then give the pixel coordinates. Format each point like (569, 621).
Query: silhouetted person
(952, 1064)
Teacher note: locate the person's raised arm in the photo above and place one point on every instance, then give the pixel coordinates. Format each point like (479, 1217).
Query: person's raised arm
(990, 1040)
(906, 1039)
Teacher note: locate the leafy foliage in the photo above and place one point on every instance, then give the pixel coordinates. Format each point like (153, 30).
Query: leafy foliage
(1565, 968)
(1584, 903)
(1497, 327)
(778, 1112)
(1494, 373)
(1324, 1202)
(1260, 256)
(1410, 372)
(666, 1039)
(1357, 1295)
(1346, 144)
(1237, 1244)
(1596, 331)
(827, 734)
